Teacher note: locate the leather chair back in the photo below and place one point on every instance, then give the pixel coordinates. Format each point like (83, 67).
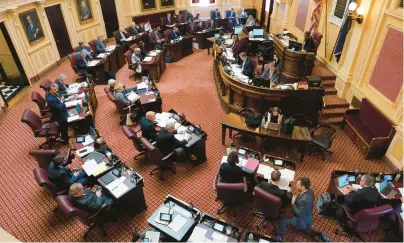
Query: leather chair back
(133, 136)
(128, 56)
(73, 60)
(71, 211)
(166, 32)
(182, 18)
(106, 90)
(369, 219)
(317, 36)
(230, 192)
(44, 157)
(45, 83)
(162, 21)
(118, 104)
(92, 44)
(267, 203)
(207, 24)
(41, 102)
(116, 36)
(132, 47)
(76, 49)
(32, 120)
(41, 177)
(154, 155)
(141, 25)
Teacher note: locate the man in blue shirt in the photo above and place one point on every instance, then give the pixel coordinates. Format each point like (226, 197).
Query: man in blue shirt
(58, 110)
(86, 199)
(99, 44)
(174, 34)
(85, 48)
(62, 176)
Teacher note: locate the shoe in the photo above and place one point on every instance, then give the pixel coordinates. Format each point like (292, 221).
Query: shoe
(324, 237)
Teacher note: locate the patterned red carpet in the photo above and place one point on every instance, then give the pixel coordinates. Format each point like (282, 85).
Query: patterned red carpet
(26, 211)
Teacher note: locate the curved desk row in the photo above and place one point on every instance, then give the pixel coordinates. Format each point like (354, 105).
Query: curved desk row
(235, 95)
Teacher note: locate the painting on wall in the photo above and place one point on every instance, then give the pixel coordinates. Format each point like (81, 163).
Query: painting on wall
(84, 11)
(167, 3)
(32, 26)
(148, 5)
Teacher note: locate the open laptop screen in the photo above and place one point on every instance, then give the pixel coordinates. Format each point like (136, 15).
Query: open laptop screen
(258, 32)
(343, 180)
(383, 184)
(237, 30)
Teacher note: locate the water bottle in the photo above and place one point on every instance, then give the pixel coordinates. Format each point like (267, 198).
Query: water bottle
(379, 177)
(250, 238)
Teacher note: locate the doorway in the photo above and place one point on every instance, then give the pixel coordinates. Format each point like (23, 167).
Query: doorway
(59, 31)
(12, 74)
(110, 17)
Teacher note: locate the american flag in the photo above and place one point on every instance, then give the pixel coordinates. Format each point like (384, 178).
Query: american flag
(315, 15)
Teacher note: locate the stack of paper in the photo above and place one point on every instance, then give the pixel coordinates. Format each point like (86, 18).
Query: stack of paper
(286, 177)
(87, 140)
(102, 55)
(73, 103)
(132, 96)
(147, 59)
(90, 166)
(265, 170)
(198, 235)
(73, 118)
(101, 168)
(92, 63)
(73, 91)
(142, 85)
(117, 187)
(177, 223)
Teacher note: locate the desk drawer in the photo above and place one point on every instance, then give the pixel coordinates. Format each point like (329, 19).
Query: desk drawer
(361, 145)
(349, 131)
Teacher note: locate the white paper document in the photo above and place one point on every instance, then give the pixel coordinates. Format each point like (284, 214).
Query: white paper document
(198, 235)
(265, 170)
(133, 97)
(177, 223)
(73, 103)
(73, 91)
(356, 186)
(73, 118)
(141, 85)
(153, 236)
(90, 166)
(87, 140)
(147, 59)
(263, 241)
(113, 185)
(218, 237)
(401, 190)
(120, 190)
(92, 63)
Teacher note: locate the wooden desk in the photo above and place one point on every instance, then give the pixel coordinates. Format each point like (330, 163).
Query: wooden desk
(300, 135)
(235, 95)
(156, 66)
(202, 38)
(180, 49)
(100, 71)
(136, 39)
(150, 102)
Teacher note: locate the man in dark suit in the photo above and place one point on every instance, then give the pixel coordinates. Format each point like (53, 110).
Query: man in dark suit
(32, 29)
(121, 35)
(60, 82)
(168, 20)
(165, 140)
(157, 39)
(58, 110)
(308, 43)
(236, 21)
(62, 176)
(273, 188)
(86, 199)
(81, 63)
(174, 34)
(99, 44)
(189, 17)
(134, 30)
(247, 66)
(85, 48)
(216, 15)
(147, 124)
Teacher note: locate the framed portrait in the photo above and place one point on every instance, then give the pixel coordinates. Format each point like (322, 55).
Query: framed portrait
(32, 26)
(84, 11)
(167, 3)
(148, 5)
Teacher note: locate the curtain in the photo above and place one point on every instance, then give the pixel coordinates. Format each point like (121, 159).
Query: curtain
(195, 1)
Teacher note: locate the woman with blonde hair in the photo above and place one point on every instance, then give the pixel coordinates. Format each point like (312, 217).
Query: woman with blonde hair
(250, 21)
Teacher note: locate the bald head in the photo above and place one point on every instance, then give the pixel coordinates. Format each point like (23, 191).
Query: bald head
(151, 115)
(76, 190)
(170, 127)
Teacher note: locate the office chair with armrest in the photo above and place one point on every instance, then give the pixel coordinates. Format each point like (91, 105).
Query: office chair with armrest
(321, 138)
(45, 83)
(106, 90)
(364, 220)
(92, 220)
(41, 177)
(156, 157)
(265, 53)
(41, 102)
(45, 156)
(317, 36)
(128, 57)
(92, 44)
(132, 47)
(268, 205)
(49, 130)
(73, 63)
(229, 193)
(132, 135)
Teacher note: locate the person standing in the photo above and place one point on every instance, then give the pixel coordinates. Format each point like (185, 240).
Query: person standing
(58, 110)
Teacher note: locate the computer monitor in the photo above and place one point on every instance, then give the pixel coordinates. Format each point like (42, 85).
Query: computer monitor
(383, 184)
(237, 30)
(92, 132)
(217, 35)
(343, 180)
(258, 32)
(388, 177)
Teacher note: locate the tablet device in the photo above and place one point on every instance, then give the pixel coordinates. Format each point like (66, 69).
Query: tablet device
(351, 178)
(116, 172)
(278, 162)
(80, 139)
(165, 217)
(218, 227)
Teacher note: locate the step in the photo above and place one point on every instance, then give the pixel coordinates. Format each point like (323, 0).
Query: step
(330, 91)
(333, 101)
(328, 83)
(333, 112)
(335, 121)
(328, 77)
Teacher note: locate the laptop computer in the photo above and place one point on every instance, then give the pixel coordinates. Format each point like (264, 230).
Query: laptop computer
(237, 30)
(343, 180)
(217, 35)
(76, 111)
(258, 33)
(386, 190)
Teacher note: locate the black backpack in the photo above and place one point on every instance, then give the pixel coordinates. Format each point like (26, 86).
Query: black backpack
(326, 206)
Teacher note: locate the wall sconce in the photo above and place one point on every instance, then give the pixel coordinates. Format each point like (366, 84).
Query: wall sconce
(358, 16)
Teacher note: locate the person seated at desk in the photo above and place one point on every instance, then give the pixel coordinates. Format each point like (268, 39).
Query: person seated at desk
(189, 17)
(81, 63)
(147, 27)
(166, 142)
(199, 27)
(236, 21)
(168, 20)
(120, 93)
(157, 40)
(308, 43)
(220, 39)
(216, 15)
(230, 172)
(174, 34)
(86, 199)
(62, 176)
(134, 29)
(137, 60)
(100, 45)
(274, 115)
(250, 21)
(273, 188)
(111, 85)
(60, 82)
(241, 45)
(122, 35)
(58, 110)
(147, 124)
(100, 146)
(87, 49)
(246, 67)
(361, 199)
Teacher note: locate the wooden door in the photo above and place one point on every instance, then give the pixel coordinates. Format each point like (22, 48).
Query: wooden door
(110, 17)
(59, 31)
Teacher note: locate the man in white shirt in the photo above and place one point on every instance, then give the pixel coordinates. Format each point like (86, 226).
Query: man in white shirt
(137, 60)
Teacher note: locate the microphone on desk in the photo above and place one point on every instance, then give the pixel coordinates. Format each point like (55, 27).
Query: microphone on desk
(191, 208)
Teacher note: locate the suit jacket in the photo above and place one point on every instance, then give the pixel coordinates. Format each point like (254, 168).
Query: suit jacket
(303, 209)
(232, 14)
(31, 31)
(215, 15)
(61, 86)
(134, 30)
(231, 173)
(236, 22)
(88, 50)
(173, 36)
(61, 176)
(120, 36)
(81, 63)
(166, 142)
(189, 18)
(100, 46)
(153, 38)
(168, 21)
(276, 191)
(248, 68)
(240, 46)
(309, 45)
(362, 199)
(57, 108)
(148, 129)
(89, 201)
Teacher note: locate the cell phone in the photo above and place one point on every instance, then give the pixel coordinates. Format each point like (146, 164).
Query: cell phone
(165, 217)
(218, 227)
(116, 172)
(80, 139)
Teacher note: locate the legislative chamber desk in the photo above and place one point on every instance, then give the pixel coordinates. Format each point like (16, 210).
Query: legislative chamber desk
(156, 66)
(135, 39)
(300, 135)
(294, 65)
(104, 63)
(180, 49)
(202, 37)
(235, 95)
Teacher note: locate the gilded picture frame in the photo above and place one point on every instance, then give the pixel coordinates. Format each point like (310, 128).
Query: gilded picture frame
(32, 26)
(167, 3)
(84, 11)
(148, 5)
